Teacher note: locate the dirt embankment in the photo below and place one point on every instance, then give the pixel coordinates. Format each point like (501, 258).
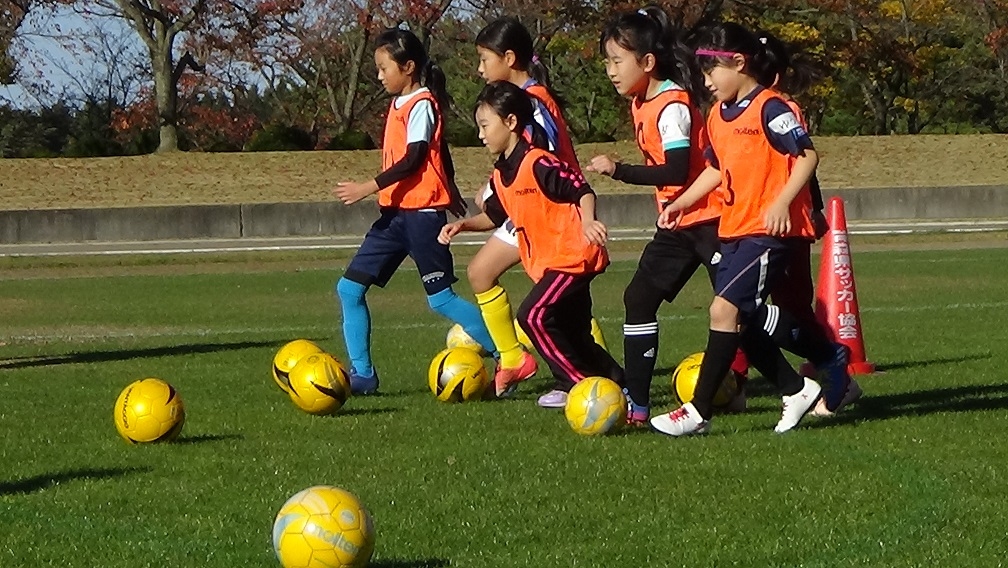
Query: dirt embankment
(194, 178)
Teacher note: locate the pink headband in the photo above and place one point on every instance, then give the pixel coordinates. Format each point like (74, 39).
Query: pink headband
(716, 53)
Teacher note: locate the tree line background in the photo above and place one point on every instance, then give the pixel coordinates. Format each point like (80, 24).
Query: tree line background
(229, 75)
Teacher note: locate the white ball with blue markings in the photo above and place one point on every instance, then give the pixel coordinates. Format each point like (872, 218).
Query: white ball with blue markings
(596, 405)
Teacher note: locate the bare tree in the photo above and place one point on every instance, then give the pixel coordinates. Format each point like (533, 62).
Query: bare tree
(12, 14)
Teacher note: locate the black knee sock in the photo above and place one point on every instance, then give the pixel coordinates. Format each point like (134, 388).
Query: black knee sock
(791, 335)
(767, 358)
(718, 357)
(640, 351)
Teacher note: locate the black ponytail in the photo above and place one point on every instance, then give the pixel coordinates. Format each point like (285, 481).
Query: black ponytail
(650, 30)
(506, 99)
(403, 46)
(788, 71)
(508, 34)
(731, 38)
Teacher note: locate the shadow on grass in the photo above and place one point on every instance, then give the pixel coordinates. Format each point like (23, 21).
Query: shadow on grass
(365, 411)
(45, 481)
(428, 563)
(928, 362)
(207, 438)
(127, 354)
(973, 398)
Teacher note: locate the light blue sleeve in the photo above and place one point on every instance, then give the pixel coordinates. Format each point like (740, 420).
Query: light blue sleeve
(420, 127)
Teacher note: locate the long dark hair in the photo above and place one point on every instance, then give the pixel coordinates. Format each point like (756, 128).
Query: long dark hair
(403, 46)
(730, 37)
(508, 34)
(506, 98)
(792, 71)
(650, 30)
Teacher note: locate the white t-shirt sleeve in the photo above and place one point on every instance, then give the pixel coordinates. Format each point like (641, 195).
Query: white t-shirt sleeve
(420, 127)
(674, 124)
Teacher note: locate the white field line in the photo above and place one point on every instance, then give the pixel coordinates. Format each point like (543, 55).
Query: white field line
(334, 329)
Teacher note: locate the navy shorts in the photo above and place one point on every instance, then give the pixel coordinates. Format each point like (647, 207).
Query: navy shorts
(399, 233)
(749, 268)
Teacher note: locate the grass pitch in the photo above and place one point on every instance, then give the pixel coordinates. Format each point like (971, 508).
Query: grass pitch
(914, 475)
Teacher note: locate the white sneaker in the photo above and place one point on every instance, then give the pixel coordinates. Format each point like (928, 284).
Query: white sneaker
(797, 405)
(682, 421)
(853, 393)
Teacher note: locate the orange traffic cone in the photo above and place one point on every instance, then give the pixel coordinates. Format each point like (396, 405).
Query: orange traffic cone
(836, 295)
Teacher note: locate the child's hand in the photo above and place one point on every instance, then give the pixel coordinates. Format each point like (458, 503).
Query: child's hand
(777, 220)
(595, 232)
(602, 165)
(349, 192)
(449, 231)
(670, 217)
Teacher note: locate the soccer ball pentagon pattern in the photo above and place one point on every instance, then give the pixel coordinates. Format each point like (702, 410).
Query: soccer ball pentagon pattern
(288, 356)
(595, 405)
(149, 410)
(457, 374)
(686, 375)
(457, 337)
(323, 527)
(319, 384)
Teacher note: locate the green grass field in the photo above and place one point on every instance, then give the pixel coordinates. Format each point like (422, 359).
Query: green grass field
(914, 475)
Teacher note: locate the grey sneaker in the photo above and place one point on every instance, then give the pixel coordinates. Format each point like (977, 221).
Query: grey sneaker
(553, 399)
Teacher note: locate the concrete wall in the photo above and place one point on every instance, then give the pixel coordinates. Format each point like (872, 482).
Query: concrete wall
(332, 218)
(120, 224)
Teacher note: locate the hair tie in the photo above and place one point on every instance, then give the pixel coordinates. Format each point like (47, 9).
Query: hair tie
(716, 53)
(535, 58)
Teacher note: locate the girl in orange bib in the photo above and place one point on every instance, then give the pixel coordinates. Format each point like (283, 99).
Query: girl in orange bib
(506, 54)
(415, 190)
(761, 160)
(560, 242)
(649, 64)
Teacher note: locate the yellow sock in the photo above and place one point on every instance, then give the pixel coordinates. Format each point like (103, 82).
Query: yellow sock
(596, 333)
(496, 310)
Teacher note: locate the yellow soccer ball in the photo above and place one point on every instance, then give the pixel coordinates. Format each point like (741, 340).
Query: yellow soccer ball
(457, 374)
(323, 527)
(149, 410)
(457, 337)
(595, 405)
(686, 375)
(287, 357)
(319, 384)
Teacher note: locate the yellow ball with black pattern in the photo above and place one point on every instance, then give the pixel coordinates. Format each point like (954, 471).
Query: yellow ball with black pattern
(319, 384)
(149, 410)
(287, 357)
(686, 375)
(457, 374)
